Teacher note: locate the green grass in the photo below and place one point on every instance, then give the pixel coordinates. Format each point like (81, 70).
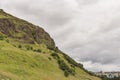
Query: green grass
(21, 64)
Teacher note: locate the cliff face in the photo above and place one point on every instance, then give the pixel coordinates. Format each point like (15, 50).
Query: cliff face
(23, 30)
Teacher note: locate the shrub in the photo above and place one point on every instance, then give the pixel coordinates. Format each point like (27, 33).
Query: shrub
(67, 70)
(38, 50)
(49, 58)
(63, 66)
(29, 48)
(19, 46)
(1, 37)
(72, 66)
(55, 55)
(66, 73)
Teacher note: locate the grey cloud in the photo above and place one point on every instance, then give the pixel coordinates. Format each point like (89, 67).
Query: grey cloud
(87, 30)
(100, 52)
(114, 25)
(87, 2)
(54, 13)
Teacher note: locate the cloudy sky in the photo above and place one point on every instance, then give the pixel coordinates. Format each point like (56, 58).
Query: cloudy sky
(87, 30)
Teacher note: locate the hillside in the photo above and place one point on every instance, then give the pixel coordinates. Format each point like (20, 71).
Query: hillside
(27, 52)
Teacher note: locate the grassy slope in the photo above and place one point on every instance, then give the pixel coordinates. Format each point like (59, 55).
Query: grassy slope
(21, 64)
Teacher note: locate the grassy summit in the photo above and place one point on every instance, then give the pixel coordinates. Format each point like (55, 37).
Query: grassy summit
(27, 52)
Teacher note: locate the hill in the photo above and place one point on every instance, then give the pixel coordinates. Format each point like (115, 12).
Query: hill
(27, 52)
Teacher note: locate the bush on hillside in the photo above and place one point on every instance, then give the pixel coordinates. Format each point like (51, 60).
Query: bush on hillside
(1, 37)
(19, 46)
(67, 70)
(49, 58)
(55, 55)
(29, 48)
(63, 66)
(37, 50)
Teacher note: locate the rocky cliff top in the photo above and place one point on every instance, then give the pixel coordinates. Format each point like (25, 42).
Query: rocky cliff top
(23, 31)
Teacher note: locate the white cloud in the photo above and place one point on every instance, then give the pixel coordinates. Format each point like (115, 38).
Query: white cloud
(100, 67)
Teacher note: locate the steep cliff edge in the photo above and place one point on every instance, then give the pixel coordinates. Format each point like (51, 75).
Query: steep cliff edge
(23, 31)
